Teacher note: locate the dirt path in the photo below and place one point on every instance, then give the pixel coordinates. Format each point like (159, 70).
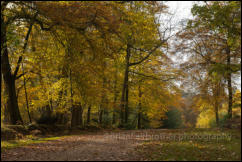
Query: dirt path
(102, 146)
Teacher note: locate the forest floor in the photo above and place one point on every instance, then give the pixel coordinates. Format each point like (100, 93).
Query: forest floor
(119, 145)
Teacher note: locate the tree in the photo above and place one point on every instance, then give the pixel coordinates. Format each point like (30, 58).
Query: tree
(138, 45)
(222, 20)
(209, 40)
(9, 77)
(86, 62)
(173, 119)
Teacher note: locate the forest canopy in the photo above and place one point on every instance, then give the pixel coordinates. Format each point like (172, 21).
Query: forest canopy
(111, 64)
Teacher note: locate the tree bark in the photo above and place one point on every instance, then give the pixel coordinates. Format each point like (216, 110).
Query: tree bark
(229, 80)
(103, 98)
(26, 99)
(9, 80)
(139, 106)
(88, 114)
(216, 93)
(124, 97)
(74, 116)
(74, 111)
(100, 116)
(80, 108)
(216, 112)
(115, 98)
(126, 103)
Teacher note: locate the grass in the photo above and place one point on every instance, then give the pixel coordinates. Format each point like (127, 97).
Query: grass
(27, 141)
(228, 148)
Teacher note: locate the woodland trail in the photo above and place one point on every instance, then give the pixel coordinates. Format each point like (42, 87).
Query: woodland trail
(101, 146)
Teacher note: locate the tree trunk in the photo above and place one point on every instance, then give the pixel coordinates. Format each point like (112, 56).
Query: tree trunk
(74, 111)
(229, 80)
(126, 103)
(9, 83)
(26, 99)
(74, 116)
(103, 98)
(24, 48)
(139, 120)
(216, 112)
(139, 106)
(100, 116)
(115, 97)
(6, 118)
(9, 79)
(80, 108)
(124, 97)
(216, 93)
(88, 114)
(115, 101)
(6, 115)
(127, 86)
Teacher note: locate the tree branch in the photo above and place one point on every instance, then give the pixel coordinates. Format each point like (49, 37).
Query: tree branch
(147, 56)
(25, 45)
(17, 67)
(19, 76)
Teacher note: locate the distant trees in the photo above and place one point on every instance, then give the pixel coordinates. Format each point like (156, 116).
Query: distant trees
(212, 41)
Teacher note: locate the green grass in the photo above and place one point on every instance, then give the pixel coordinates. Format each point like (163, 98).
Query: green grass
(28, 140)
(194, 149)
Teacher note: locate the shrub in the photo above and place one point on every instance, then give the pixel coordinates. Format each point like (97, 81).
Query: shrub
(50, 120)
(173, 119)
(19, 128)
(222, 121)
(92, 126)
(9, 133)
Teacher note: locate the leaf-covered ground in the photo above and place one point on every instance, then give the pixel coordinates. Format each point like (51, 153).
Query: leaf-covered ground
(198, 144)
(194, 145)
